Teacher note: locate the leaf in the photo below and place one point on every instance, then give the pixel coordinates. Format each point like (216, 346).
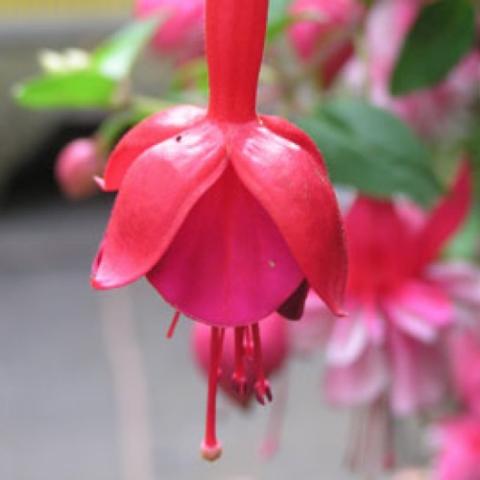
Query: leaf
(371, 150)
(67, 90)
(442, 34)
(116, 56)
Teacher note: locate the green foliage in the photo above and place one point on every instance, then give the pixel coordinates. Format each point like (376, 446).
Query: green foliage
(442, 34)
(93, 82)
(371, 150)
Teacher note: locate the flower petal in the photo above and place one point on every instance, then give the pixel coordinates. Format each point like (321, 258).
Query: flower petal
(418, 374)
(294, 190)
(157, 194)
(228, 264)
(358, 383)
(146, 134)
(446, 218)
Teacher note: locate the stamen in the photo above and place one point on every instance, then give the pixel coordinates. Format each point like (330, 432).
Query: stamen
(239, 378)
(173, 324)
(211, 449)
(262, 387)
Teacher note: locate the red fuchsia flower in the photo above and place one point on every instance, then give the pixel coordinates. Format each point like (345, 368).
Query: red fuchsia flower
(389, 343)
(457, 441)
(325, 40)
(239, 362)
(229, 215)
(75, 169)
(429, 112)
(181, 36)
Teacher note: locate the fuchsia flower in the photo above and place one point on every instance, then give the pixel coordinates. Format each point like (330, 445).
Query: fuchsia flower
(75, 169)
(457, 441)
(182, 34)
(326, 39)
(389, 343)
(228, 214)
(239, 360)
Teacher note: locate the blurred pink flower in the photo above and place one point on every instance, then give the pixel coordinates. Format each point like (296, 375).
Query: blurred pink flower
(389, 343)
(75, 169)
(457, 441)
(181, 36)
(238, 370)
(431, 111)
(326, 39)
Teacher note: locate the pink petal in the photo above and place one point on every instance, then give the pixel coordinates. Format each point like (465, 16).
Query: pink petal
(146, 134)
(228, 264)
(347, 342)
(358, 383)
(418, 374)
(420, 310)
(292, 187)
(447, 217)
(156, 196)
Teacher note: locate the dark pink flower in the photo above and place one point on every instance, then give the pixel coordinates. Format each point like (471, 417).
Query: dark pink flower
(181, 36)
(326, 38)
(229, 214)
(457, 441)
(75, 169)
(389, 343)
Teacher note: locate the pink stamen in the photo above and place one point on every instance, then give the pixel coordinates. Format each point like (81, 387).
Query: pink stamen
(239, 378)
(173, 324)
(211, 448)
(262, 387)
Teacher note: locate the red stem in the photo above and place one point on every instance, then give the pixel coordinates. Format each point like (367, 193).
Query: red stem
(235, 37)
(173, 324)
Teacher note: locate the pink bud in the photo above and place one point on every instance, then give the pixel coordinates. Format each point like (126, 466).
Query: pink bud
(273, 330)
(75, 168)
(181, 36)
(326, 39)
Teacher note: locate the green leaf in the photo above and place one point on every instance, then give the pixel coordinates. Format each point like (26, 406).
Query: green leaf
(277, 10)
(442, 34)
(371, 150)
(67, 90)
(116, 56)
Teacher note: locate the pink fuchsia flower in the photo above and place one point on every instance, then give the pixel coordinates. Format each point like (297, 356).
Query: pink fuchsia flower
(429, 112)
(238, 365)
(75, 169)
(181, 36)
(389, 343)
(325, 40)
(457, 441)
(230, 215)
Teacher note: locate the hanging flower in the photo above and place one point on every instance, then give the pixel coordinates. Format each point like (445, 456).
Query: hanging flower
(75, 169)
(389, 343)
(181, 35)
(228, 214)
(325, 40)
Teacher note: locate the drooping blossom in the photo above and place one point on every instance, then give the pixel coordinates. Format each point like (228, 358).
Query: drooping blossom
(237, 375)
(181, 35)
(75, 169)
(229, 215)
(429, 112)
(325, 39)
(390, 342)
(457, 443)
